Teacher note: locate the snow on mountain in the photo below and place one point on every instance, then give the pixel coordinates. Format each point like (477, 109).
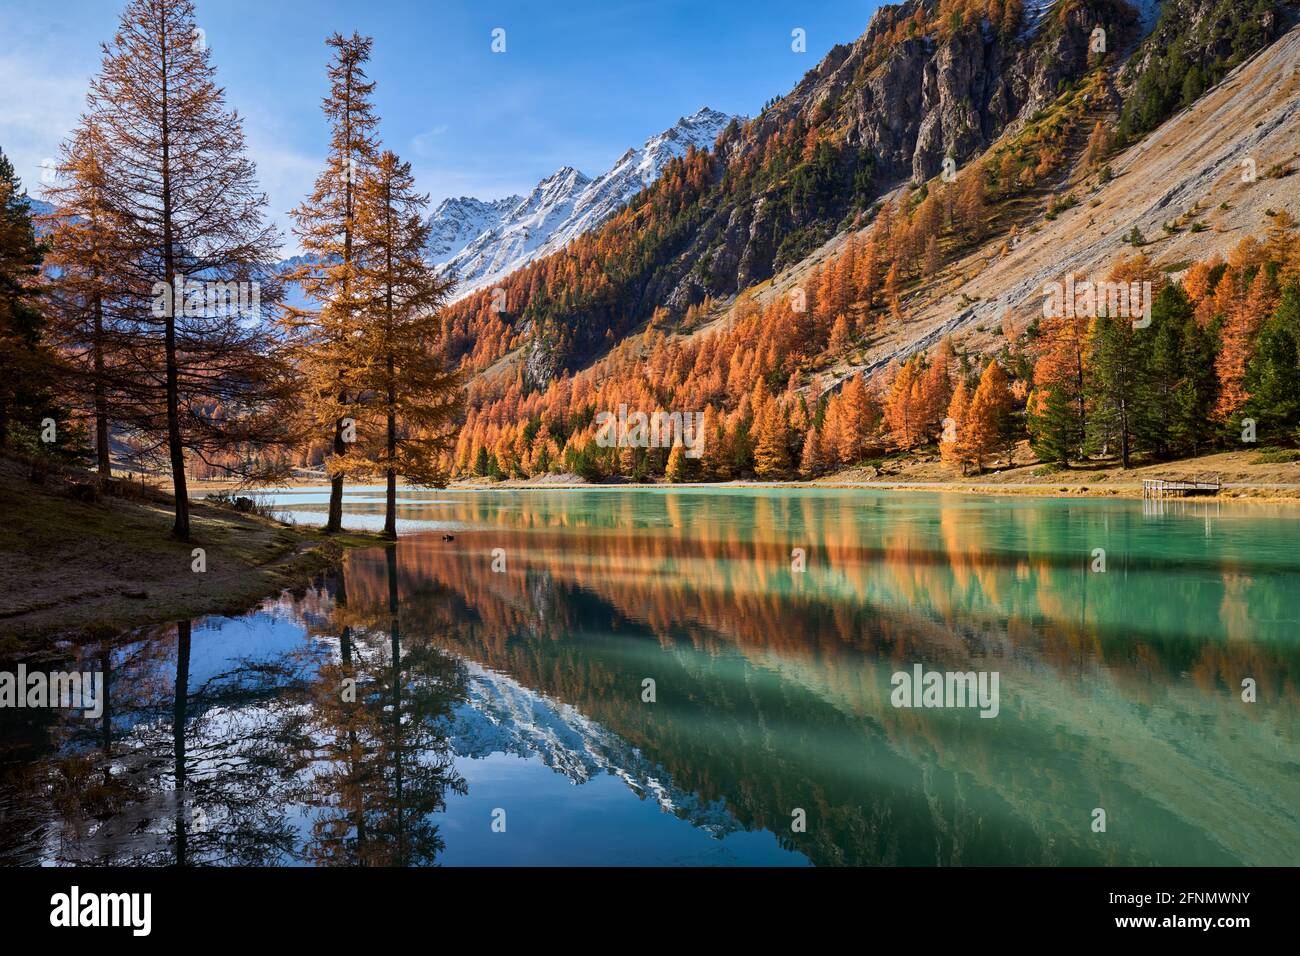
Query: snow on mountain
(500, 715)
(519, 234)
(39, 207)
(1036, 11)
(456, 222)
(515, 231)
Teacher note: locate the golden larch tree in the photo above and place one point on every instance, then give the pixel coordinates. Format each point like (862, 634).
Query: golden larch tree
(205, 374)
(409, 399)
(84, 246)
(325, 226)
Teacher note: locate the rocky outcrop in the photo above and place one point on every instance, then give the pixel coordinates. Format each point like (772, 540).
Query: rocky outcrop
(896, 109)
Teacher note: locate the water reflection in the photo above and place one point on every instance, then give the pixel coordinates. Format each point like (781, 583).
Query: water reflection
(382, 717)
(382, 765)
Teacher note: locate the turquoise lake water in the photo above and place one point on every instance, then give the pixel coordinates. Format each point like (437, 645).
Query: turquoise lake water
(704, 677)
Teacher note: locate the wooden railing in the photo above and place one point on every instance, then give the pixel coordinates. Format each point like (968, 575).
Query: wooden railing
(1160, 488)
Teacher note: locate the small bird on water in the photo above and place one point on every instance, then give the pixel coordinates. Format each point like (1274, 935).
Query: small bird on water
(448, 537)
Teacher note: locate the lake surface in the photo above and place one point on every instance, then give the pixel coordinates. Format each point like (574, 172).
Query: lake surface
(703, 677)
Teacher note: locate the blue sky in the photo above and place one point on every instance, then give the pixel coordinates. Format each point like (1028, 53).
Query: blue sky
(578, 84)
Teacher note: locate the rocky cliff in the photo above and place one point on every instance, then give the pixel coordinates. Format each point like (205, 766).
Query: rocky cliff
(896, 102)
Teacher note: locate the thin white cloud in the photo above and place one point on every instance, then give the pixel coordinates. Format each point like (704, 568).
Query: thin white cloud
(40, 108)
(425, 144)
(286, 176)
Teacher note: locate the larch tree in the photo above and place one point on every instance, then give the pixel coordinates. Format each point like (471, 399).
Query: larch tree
(86, 286)
(1060, 403)
(1098, 145)
(325, 225)
(401, 373)
(986, 419)
(675, 471)
(839, 341)
(954, 444)
(904, 408)
(969, 208)
(936, 387)
(856, 420)
(203, 364)
(713, 445)
(771, 443)
(931, 260)
(893, 285)
(812, 459)
(1241, 323)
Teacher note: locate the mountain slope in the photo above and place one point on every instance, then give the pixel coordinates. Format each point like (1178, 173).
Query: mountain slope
(481, 242)
(929, 80)
(1190, 172)
(754, 279)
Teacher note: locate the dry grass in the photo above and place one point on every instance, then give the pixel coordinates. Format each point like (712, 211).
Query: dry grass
(79, 568)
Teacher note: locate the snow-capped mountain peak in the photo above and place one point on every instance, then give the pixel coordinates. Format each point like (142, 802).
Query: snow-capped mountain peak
(483, 242)
(458, 221)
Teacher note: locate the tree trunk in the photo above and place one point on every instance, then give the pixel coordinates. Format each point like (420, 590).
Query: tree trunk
(390, 507)
(334, 523)
(390, 503)
(1123, 436)
(179, 716)
(106, 716)
(181, 526)
(101, 401)
(396, 654)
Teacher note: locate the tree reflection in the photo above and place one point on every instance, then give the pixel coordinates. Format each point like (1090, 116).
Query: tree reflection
(774, 685)
(375, 787)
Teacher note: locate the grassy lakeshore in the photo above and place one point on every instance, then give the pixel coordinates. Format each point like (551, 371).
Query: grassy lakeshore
(1244, 477)
(80, 566)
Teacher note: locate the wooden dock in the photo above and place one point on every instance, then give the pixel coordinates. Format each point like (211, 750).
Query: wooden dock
(1160, 488)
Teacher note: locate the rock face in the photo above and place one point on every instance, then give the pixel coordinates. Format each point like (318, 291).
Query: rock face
(897, 109)
(1191, 160)
(482, 242)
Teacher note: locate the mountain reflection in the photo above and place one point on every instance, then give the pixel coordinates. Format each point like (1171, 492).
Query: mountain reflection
(333, 727)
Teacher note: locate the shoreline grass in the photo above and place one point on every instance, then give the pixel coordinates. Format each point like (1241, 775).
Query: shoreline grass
(80, 565)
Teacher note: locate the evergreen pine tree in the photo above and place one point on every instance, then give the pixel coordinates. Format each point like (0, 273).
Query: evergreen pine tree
(1119, 387)
(1054, 424)
(1273, 373)
(25, 356)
